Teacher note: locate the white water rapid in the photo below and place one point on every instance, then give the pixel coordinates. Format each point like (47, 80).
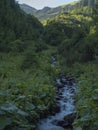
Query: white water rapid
(66, 103)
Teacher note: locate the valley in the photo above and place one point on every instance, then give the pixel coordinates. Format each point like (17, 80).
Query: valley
(38, 60)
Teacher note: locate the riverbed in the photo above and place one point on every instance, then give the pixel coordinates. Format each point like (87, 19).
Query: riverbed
(66, 88)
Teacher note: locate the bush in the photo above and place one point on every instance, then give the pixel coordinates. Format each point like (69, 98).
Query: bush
(87, 98)
(30, 60)
(17, 45)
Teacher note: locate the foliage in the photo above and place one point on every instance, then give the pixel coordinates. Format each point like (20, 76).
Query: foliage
(87, 96)
(23, 27)
(26, 85)
(27, 79)
(83, 6)
(55, 31)
(25, 95)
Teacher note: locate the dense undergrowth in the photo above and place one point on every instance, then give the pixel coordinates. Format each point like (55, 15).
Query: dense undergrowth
(78, 56)
(87, 98)
(27, 80)
(26, 77)
(25, 95)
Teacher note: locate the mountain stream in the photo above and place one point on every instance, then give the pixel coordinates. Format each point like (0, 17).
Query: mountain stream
(62, 120)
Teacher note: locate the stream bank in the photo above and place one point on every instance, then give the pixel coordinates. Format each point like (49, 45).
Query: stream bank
(66, 88)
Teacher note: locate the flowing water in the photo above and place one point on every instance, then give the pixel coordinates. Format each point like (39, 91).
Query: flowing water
(66, 90)
(53, 62)
(66, 103)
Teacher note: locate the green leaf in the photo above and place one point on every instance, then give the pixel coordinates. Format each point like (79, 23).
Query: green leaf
(41, 107)
(29, 107)
(86, 118)
(2, 112)
(78, 128)
(95, 95)
(9, 107)
(96, 90)
(22, 113)
(20, 97)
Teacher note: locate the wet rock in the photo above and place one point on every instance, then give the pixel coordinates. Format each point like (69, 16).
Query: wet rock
(64, 100)
(64, 124)
(60, 86)
(57, 109)
(54, 110)
(72, 90)
(59, 93)
(63, 80)
(70, 83)
(58, 98)
(61, 96)
(70, 118)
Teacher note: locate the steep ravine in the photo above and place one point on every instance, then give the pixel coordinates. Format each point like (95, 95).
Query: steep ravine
(62, 120)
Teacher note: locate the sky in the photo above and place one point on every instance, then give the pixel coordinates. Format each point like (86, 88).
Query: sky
(39, 4)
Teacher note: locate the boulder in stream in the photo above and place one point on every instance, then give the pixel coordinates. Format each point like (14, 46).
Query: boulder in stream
(70, 117)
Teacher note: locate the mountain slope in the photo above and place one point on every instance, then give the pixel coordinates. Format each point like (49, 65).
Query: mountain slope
(89, 3)
(15, 24)
(27, 8)
(48, 12)
(25, 82)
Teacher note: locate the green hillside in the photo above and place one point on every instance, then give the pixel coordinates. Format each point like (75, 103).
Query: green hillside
(28, 89)
(16, 25)
(26, 84)
(78, 55)
(27, 8)
(48, 12)
(90, 3)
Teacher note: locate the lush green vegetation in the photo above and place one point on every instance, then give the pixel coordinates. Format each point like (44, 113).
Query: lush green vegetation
(26, 77)
(85, 5)
(48, 12)
(78, 55)
(26, 89)
(87, 98)
(27, 81)
(87, 95)
(16, 27)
